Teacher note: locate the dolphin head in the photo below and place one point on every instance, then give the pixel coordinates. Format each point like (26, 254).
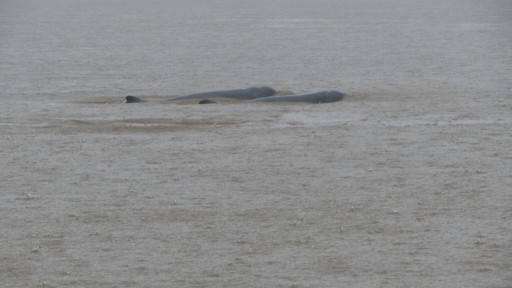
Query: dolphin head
(330, 96)
(133, 99)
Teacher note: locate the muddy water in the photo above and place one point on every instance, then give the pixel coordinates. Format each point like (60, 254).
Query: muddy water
(406, 183)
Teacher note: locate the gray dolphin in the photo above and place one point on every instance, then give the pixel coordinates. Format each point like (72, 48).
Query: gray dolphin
(238, 94)
(316, 98)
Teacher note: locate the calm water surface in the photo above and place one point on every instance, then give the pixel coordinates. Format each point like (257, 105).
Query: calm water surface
(173, 47)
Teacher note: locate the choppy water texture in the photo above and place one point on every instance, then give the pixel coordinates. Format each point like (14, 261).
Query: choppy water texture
(405, 183)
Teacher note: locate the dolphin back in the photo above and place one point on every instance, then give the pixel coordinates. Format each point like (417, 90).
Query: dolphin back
(315, 98)
(239, 94)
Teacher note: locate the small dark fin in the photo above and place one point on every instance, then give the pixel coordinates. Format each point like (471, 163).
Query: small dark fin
(132, 99)
(206, 101)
